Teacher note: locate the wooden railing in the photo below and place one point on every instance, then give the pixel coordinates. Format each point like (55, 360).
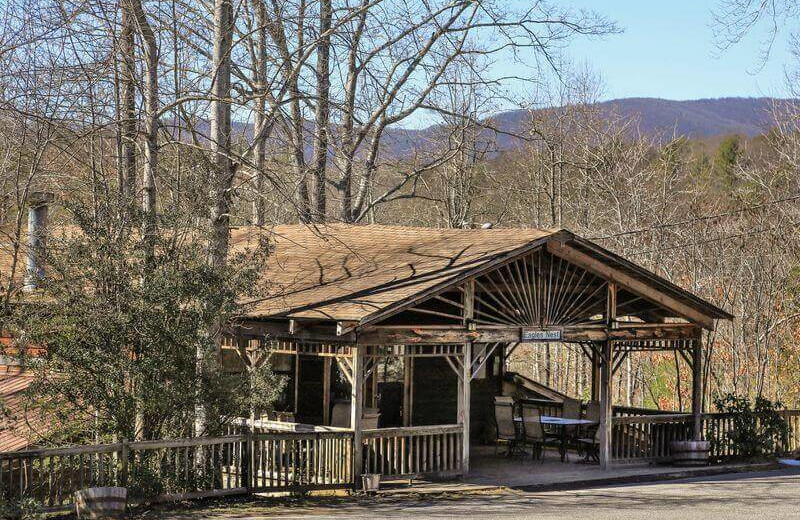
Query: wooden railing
(302, 461)
(634, 411)
(180, 469)
(716, 427)
(648, 437)
(151, 470)
(414, 451)
(792, 418)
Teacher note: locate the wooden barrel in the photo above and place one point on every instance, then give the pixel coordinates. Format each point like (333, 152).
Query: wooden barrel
(690, 453)
(101, 502)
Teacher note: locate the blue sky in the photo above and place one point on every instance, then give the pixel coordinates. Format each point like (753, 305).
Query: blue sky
(667, 50)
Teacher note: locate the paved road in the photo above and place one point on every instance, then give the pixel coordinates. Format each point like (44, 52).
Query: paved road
(767, 495)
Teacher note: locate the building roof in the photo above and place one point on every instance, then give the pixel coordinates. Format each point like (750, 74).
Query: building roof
(352, 273)
(346, 272)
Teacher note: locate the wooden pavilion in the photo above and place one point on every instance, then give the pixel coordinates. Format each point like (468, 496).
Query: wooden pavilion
(453, 304)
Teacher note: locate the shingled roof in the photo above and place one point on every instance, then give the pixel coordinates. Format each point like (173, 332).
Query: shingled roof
(349, 273)
(345, 272)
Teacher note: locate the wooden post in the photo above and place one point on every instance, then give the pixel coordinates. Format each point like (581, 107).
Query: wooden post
(464, 404)
(247, 455)
(374, 385)
(596, 371)
(326, 391)
(466, 374)
(123, 478)
(697, 388)
(356, 405)
(408, 388)
(605, 404)
(296, 385)
(606, 369)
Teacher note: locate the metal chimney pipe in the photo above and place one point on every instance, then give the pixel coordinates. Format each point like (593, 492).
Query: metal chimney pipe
(38, 205)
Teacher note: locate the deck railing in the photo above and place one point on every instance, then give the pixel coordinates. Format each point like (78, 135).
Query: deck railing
(180, 469)
(647, 437)
(301, 461)
(151, 470)
(414, 451)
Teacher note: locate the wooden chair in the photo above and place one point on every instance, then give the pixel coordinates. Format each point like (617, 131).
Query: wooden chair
(504, 421)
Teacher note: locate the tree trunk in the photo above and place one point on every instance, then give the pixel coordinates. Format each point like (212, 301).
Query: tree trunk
(259, 217)
(127, 170)
(222, 176)
(151, 52)
(322, 113)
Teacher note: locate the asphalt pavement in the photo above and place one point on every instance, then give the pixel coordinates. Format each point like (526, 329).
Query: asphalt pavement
(751, 496)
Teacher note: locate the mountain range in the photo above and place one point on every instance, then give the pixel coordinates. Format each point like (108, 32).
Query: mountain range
(697, 118)
(702, 119)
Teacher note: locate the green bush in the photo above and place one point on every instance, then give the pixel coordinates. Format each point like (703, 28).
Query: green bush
(24, 509)
(757, 429)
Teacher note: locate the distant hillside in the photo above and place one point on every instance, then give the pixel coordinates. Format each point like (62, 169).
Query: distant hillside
(699, 118)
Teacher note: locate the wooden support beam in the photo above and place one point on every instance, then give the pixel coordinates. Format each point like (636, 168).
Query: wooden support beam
(327, 365)
(465, 397)
(449, 335)
(374, 382)
(596, 364)
(296, 385)
(629, 282)
(456, 365)
(293, 330)
(465, 383)
(697, 389)
(482, 358)
(408, 390)
(356, 407)
(619, 358)
(606, 374)
(346, 366)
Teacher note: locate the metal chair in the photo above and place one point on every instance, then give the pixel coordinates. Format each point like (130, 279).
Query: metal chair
(588, 441)
(504, 422)
(589, 446)
(533, 433)
(571, 409)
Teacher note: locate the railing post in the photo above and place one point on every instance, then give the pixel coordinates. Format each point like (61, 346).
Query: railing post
(247, 455)
(123, 478)
(697, 388)
(356, 406)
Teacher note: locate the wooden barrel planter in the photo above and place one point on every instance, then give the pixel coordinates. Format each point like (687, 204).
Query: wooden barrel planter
(690, 453)
(101, 502)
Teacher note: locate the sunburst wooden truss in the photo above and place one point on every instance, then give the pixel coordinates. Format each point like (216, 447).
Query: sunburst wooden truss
(538, 290)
